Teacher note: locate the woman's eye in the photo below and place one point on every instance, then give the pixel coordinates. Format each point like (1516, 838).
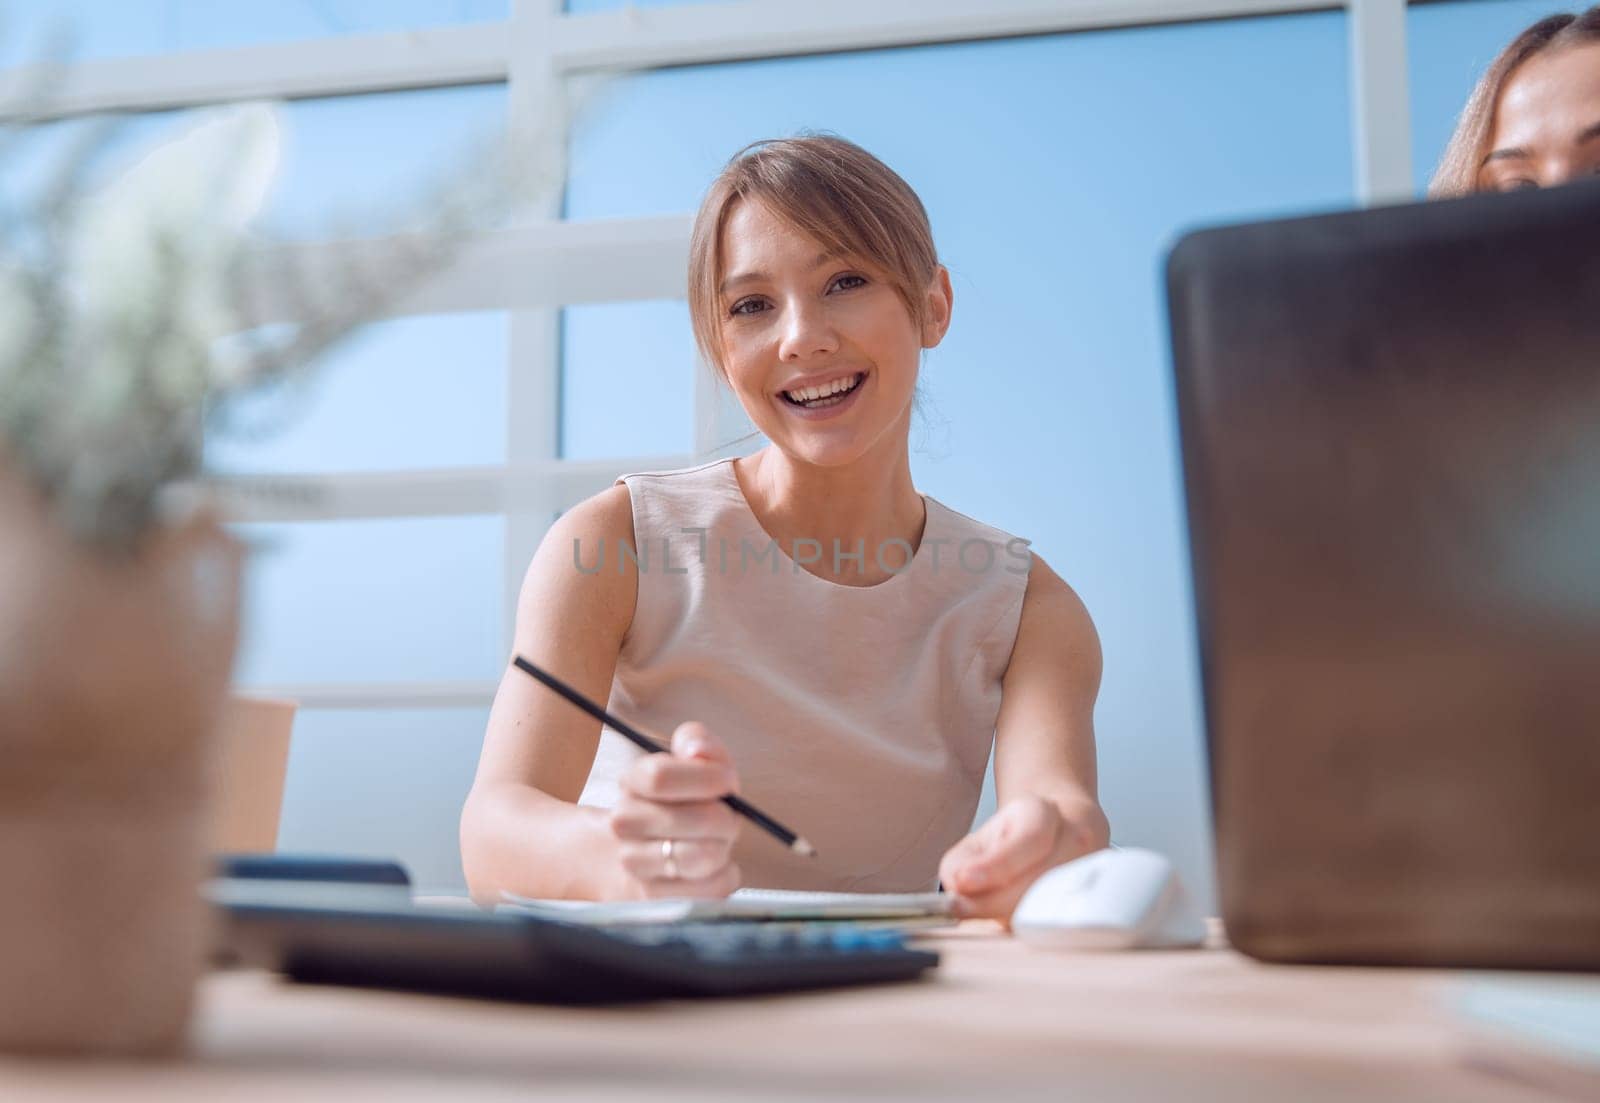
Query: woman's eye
(745, 307)
(847, 283)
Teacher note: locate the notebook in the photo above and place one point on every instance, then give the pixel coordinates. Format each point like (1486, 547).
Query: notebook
(921, 908)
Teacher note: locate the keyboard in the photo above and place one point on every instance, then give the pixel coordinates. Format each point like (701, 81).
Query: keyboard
(512, 956)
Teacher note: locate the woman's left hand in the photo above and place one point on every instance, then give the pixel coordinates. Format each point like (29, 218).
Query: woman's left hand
(991, 868)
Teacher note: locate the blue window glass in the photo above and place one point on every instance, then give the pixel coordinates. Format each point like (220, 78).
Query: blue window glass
(638, 361)
(37, 157)
(380, 601)
(1056, 170)
(354, 164)
(1449, 47)
(406, 392)
(120, 28)
(383, 783)
(403, 393)
(348, 165)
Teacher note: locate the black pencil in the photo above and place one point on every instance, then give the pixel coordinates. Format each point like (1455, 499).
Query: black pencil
(744, 808)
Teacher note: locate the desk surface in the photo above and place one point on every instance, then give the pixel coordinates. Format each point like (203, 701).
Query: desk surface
(996, 1022)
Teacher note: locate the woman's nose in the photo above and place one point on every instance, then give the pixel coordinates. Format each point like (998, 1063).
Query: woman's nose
(806, 333)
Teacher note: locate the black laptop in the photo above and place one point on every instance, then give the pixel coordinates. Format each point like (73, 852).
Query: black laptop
(1391, 440)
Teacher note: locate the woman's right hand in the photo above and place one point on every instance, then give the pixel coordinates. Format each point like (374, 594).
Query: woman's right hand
(674, 834)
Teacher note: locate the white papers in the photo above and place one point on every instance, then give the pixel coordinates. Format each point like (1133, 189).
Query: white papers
(1543, 1031)
(744, 904)
(1556, 1015)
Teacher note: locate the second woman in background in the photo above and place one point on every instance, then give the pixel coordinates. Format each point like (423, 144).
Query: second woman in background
(1533, 121)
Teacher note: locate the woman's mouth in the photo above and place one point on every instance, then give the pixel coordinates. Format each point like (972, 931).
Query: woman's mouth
(825, 398)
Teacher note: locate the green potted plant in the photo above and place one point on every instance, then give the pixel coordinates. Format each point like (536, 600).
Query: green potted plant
(126, 321)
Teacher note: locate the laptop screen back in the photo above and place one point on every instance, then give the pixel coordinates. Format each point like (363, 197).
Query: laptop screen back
(1391, 441)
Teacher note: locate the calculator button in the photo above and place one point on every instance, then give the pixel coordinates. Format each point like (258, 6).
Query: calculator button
(849, 938)
(815, 938)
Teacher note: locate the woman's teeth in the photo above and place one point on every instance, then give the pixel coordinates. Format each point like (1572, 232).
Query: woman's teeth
(829, 394)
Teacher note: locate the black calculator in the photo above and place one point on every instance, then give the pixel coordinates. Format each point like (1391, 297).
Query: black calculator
(521, 957)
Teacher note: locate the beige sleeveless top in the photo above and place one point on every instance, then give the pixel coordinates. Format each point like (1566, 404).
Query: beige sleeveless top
(860, 717)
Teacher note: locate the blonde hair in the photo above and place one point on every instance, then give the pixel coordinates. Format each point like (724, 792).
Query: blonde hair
(1458, 168)
(829, 189)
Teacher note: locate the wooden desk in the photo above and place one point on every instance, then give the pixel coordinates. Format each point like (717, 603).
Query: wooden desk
(999, 1022)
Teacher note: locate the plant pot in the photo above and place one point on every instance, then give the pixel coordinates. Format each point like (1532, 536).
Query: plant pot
(113, 676)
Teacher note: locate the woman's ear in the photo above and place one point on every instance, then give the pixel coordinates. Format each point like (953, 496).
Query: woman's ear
(936, 308)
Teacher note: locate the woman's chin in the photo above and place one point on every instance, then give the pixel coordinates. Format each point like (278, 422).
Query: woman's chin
(828, 443)
(822, 449)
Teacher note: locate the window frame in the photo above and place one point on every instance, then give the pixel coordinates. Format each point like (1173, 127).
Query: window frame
(538, 53)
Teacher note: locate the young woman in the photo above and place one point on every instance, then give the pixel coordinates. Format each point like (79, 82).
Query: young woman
(1533, 121)
(814, 633)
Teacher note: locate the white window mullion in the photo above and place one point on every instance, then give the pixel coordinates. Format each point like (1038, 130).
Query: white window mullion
(1380, 102)
(536, 114)
(297, 499)
(380, 695)
(541, 488)
(346, 65)
(539, 43)
(533, 266)
(692, 34)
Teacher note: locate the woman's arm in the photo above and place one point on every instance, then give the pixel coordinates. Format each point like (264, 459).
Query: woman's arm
(1044, 737)
(1049, 810)
(521, 828)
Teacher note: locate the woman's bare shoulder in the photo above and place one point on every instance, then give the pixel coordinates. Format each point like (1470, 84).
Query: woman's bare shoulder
(608, 514)
(578, 573)
(1054, 618)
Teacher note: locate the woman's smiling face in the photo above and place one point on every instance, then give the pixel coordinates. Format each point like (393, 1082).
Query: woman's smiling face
(820, 349)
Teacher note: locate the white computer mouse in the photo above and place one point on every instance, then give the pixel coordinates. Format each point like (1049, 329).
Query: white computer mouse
(1113, 899)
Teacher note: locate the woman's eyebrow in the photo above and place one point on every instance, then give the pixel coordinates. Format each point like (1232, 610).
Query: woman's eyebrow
(1588, 134)
(1512, 153)
(758, 277)
(743, 278)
